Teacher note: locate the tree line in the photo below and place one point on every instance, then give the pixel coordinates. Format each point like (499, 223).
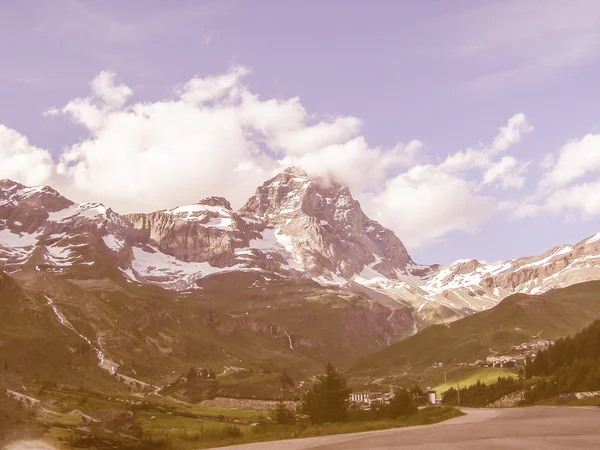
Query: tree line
(329, 401)
(571, 364)
(480, 394)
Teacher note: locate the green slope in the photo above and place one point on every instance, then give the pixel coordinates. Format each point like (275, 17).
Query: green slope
(239, 324)
(34, 346)
(516, 319)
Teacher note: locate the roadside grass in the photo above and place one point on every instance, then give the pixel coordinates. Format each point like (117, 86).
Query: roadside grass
(271, 432)
(213, 411)
(594, 401)
(470, 376)
(129, 421)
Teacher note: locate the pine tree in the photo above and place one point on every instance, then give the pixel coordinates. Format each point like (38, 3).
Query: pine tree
(286, 381)
(191, 373)
(282, 415)
(418, 395)
(327, 401)
(401, 405)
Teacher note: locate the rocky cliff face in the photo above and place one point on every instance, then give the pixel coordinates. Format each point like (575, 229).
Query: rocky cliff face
(324, 227)
(208, 231)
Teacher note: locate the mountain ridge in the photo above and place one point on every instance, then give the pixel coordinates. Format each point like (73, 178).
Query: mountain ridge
(293, 226)
(297, 276)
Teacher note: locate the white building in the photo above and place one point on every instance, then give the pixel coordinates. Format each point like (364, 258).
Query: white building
(361, 398)
(431, 397)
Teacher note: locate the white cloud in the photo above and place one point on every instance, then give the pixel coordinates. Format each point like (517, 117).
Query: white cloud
(355, 164)
(507, 173)
(480, 158)
(563, 188)
(575, 159)
(581, 200)
(425, 203)
(216, 137)
(108, 92)
(21, 161)
(199, 91)
(520, 210)
(512, 133)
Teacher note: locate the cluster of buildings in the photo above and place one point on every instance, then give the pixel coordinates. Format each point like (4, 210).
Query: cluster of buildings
(366, 399)
(500, 361)
(517, 355)
(531, 348)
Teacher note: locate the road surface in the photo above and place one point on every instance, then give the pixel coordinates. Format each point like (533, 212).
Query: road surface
(546, 428)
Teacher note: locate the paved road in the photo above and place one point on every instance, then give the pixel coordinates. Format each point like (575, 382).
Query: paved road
(546, 428)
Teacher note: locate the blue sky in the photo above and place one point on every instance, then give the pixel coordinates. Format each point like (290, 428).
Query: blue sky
(146, 105)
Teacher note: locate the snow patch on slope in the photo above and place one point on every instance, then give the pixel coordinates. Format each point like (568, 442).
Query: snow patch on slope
(113, 242)
(83, 210)
(159, 268)
(593, 239)
(10, 239)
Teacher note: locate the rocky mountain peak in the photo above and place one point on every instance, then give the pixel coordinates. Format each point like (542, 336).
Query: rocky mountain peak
(325, 227)
(292, 172)
(216, 201)
(13, 194)
(284, 193)
(5, 183)
(465, 266)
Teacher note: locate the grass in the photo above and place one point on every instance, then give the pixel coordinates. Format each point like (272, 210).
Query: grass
(594, 401)
(424, 416)
(129, 422)
(470, 376)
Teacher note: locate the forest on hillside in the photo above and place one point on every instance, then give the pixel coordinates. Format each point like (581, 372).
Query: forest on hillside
(572, 364)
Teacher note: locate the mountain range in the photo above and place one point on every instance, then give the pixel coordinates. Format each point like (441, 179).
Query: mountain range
(298, 275)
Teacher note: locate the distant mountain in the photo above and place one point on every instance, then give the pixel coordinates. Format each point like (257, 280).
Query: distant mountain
(467, 286)
(291, 227)
(516, 319)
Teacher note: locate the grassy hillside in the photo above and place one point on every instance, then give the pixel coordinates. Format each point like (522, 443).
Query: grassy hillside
(515, 320)
(33, 344)
(247, 329)
(470, 376)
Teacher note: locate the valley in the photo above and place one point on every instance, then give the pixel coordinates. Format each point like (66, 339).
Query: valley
(201, 302)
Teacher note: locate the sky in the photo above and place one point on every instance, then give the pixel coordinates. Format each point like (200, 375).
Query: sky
(470, 128)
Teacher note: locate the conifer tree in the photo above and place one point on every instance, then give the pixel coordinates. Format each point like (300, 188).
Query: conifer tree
(328, 400)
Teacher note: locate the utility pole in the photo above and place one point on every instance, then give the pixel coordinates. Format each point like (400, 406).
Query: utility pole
(458, 392)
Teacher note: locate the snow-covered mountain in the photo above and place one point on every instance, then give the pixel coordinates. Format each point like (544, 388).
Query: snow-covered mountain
(467, 286)
(292, 227)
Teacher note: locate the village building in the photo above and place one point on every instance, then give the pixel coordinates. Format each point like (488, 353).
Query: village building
(366, 399)
(431, 396)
